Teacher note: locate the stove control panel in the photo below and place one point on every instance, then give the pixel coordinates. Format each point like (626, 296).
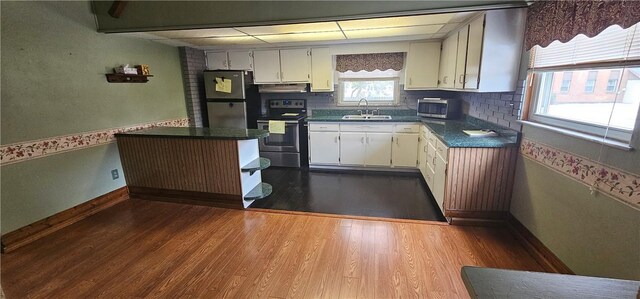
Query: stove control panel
(286, 104)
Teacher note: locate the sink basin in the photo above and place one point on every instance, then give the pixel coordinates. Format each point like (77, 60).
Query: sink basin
(365, 117)
(354, 116)
(379, 117)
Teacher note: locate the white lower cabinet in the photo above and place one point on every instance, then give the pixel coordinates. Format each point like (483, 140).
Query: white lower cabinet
(378, 152)
(324, 148)
(353, 148)
(405, 150)
(365, 149)
(422, 154)
(439, 176)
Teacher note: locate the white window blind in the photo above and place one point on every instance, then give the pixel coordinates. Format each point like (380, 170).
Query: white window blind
(614, 44)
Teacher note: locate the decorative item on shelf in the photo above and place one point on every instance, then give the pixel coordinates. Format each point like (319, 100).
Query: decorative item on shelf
(143, 69)
(125, 69)
(126, 74)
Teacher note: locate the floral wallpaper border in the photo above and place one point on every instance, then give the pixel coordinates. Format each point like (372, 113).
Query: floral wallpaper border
(621, 185)
(32, 149)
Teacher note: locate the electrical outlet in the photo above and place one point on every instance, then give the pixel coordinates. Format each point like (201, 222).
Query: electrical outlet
(114, 174)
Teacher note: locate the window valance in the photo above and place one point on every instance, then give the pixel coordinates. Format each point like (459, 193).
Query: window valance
(370, 62)
(548, 21)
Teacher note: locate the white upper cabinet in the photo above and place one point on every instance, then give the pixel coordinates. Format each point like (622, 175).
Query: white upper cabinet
(295, 65)
(240, 60)
(422, 65)
(217, 61)
(492, 46)
(461, 57)
(474, 52)
(266, 66)
(321, 70)
(281, 66)
(448, 62)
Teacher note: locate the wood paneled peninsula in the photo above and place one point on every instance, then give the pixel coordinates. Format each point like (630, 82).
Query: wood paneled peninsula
(212, 166)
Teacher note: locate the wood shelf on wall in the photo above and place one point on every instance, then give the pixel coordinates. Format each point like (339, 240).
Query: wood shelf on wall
(127, 78)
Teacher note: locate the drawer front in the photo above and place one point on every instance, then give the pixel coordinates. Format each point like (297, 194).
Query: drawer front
(366, 128)
(431, 157)
(442, 150)
(429, 176)
(320, 127)
(431, 138)
(407, 128)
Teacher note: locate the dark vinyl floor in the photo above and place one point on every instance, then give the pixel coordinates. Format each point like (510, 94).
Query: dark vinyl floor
(376, 194)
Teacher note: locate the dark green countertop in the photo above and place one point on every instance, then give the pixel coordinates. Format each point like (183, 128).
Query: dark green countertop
(199, 133)
(448, 131)
(398, 115)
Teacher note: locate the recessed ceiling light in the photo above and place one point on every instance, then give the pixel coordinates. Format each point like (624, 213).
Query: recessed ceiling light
(292, 28)
(395, 22)
(390, 32)
(302, 37)
(213, 32)
(230, 40)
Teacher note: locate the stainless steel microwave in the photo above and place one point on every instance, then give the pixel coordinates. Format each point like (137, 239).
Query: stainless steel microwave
(439, 108)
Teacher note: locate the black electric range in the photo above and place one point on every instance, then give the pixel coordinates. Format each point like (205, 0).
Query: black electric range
(288, 148)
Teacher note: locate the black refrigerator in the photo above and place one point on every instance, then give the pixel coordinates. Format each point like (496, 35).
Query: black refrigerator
(232, 100)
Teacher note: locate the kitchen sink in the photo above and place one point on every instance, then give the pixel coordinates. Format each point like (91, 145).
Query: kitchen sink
(374, 117)
(366, 117)
(354, 116)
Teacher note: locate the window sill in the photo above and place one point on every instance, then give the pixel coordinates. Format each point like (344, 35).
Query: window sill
(583, 136)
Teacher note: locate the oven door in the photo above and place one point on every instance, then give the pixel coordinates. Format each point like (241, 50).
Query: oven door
(287, 142)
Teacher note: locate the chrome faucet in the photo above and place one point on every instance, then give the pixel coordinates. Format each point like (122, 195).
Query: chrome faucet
(366, 103)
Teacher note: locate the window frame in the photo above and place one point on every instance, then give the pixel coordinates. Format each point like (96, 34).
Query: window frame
(396, 92)
(612, 133)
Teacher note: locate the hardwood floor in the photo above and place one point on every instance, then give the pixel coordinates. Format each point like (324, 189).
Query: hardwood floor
(357, 193)
(154, 249)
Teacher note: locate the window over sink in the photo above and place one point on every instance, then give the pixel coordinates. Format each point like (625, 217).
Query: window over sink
(589, 85)
(379, 88)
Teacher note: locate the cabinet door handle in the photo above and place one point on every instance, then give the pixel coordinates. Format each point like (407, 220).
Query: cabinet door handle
(424, 149)
(397, 141)
(409, 81)
(362, 140)
(367, 139)
(444, 80)
(461, 79)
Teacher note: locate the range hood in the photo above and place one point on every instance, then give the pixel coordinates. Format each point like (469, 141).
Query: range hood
(283, 88)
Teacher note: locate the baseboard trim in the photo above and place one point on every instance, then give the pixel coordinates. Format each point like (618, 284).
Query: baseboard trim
(462, 221)
(354, 217)
(549, 261)
(229, 201)
(44, 227)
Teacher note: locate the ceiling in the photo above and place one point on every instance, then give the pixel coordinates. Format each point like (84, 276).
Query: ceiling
(417, 27)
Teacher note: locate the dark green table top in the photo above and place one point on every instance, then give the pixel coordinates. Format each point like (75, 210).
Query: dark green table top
(499, 283)
(199, 133)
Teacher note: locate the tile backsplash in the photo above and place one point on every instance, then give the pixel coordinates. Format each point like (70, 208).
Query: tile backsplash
(501, 108)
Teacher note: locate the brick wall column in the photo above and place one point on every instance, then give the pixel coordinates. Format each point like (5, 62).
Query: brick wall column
(193, 63)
